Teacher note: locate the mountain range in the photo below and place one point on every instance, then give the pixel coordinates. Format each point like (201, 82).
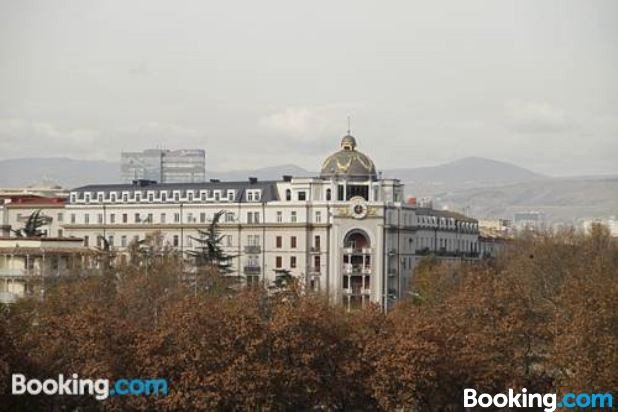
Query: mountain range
(481, 187)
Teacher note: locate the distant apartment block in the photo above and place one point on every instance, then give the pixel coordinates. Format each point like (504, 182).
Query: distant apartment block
(533, 220)
(164, 166)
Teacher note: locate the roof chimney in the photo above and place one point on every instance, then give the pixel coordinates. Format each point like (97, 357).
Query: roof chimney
(253, 180)
(287, 178)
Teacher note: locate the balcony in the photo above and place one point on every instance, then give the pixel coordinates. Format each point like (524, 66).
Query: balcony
(252, 270)
(8, 297)
(9, 273)
(357, 251)
(314, 249)
(356, 290)
(253, 249)
(315, 271)
(350, 269)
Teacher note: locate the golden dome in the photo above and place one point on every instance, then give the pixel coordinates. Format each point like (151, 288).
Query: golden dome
(348, 162)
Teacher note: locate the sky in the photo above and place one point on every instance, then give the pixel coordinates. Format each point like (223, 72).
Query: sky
(271, 82)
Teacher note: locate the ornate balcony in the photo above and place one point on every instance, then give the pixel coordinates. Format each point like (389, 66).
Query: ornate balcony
(252, 270)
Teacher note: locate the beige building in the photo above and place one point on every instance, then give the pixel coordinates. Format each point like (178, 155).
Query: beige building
(345, 232)
(27, 264)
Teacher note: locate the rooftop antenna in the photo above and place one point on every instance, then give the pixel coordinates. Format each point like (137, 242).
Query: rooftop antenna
(349, 131)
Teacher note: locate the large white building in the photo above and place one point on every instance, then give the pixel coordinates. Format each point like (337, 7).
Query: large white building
(345, 232)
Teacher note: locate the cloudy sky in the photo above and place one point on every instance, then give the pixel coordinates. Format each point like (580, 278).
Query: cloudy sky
(261, 83)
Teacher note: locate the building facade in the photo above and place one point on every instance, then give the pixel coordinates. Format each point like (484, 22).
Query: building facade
(345, 232)
(165, 166)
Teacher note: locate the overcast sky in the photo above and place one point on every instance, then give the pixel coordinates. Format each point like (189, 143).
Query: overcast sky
(262, 83)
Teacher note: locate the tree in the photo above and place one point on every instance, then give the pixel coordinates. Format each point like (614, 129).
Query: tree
(32, 226)
(209, 251)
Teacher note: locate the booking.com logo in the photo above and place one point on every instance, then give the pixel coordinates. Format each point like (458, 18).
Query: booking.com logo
(99, 388)
(548, 401)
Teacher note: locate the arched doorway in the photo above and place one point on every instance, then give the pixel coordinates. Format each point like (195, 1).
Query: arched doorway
(357, 269)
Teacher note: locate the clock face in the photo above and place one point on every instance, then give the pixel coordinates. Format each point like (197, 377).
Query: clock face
(359, 210)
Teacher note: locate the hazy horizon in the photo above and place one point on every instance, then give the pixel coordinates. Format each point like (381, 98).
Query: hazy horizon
(261, 84)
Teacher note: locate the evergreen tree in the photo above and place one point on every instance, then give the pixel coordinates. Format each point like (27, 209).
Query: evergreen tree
(31, 229)
(209, 252)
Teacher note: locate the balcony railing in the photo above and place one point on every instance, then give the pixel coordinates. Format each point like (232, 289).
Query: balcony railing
(8, 297)
(356, 290)
(252, 270)
(253, 249)
(349, 268)
(357, 251)
(315, 249)
(314, 271)
(12, 272)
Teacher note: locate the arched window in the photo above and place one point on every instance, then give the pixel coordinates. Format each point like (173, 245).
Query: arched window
(328, 194)
(288, 195)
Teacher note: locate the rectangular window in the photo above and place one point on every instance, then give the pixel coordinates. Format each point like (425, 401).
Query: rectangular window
(125, 218)
(278, 242)
(279, 217)
(229, 217)
(59, 232)
(60, 217)
(175, 242)
(100, 218)
(86, 218)
(302, 196)
(228, 240)
(123, 240)
(249, 217)
(316, 242)
(202, 217)
(318, 217)
(73, 218)
(163, 218)
(137, 218)
(149, 219)
(176, 217)
(293, 242)
(293, 217)
(110, 240)
(112, 218)
(256, 217)
(278, 262)
(86, 241)
(292, 262)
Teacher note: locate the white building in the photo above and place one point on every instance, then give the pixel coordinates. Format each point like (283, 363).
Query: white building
(345, 232)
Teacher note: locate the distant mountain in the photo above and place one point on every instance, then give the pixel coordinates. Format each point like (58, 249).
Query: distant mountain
(561, 199)
(478, 186)
(56, 171)
(468, 172)
(266, 173)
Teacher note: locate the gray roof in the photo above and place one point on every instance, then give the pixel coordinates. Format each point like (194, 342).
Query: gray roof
(269, 191)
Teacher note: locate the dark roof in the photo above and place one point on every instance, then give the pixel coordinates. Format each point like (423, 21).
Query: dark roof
(269, 192)
(447, 214)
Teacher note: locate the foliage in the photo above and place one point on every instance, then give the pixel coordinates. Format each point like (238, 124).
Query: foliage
(543, 317)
